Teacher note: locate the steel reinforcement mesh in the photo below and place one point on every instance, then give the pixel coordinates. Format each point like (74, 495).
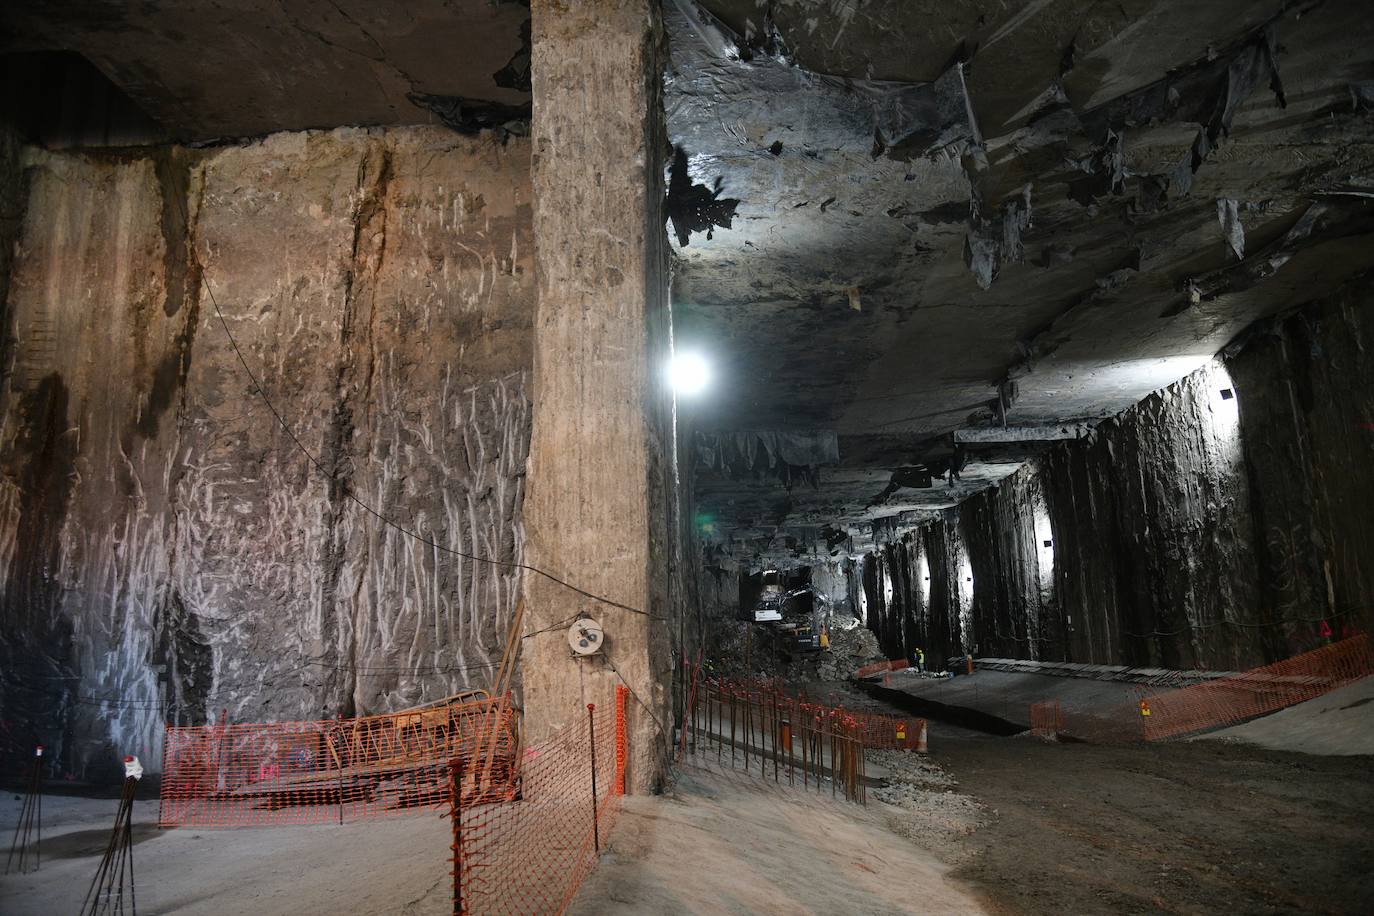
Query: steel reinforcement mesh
(529, 852)
(1229, 700)
(332, 770)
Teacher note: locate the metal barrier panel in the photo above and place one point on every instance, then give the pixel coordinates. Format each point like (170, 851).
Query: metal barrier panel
(332, 770)
(529, 852)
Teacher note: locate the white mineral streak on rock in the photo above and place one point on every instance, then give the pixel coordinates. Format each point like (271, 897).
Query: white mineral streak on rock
(173, 553)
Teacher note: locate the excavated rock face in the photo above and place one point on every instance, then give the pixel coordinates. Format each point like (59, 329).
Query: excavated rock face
(1037, 232)
(171, 550)
(958, 219)
(1222, 523)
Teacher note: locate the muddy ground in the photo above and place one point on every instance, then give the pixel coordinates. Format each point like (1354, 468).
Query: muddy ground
(1188, 827)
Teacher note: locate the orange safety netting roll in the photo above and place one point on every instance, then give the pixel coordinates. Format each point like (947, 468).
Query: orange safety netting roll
(334, 769)
(894, 664)
(1258, 691)
(530, 851)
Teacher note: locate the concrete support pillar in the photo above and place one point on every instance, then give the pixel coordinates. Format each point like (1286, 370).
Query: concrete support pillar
(598, 504)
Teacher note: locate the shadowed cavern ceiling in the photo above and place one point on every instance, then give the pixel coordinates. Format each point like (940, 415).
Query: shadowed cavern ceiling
(978, 216)
(950, 216)
(207, 70)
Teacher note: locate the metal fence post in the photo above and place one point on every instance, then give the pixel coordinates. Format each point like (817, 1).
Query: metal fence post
(455, 790)
(591, 733)
(621, 693)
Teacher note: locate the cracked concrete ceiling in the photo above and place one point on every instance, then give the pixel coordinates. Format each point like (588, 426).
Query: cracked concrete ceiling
(964, 214)
(205, 70)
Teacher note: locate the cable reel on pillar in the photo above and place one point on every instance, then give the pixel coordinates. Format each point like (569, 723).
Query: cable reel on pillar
(585, 637)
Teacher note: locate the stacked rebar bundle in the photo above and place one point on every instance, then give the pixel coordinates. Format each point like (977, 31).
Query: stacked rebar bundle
(116, 871)
(28, 833)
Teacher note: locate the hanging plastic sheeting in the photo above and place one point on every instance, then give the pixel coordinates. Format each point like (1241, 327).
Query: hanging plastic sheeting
(788, 455)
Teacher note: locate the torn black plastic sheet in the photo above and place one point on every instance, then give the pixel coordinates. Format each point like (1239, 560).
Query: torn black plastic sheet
(1104, 171)
(1228, 214)
(991, 244)
(910, 120)
(1208, 93)
(1322, 221)
(757, 448)
(472, 116)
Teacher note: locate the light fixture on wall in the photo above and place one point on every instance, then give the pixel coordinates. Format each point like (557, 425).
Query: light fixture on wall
(1226, 401)
(1044, 533)
(689, 373)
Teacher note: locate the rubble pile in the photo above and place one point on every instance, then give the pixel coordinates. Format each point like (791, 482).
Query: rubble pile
(850, 649)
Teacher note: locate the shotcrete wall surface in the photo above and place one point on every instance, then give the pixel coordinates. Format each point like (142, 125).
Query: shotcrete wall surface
(1224, 522)
(603, 509)
(166, 550)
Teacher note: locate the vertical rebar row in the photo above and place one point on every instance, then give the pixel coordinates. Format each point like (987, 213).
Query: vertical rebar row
(106, 893)
(30, 817)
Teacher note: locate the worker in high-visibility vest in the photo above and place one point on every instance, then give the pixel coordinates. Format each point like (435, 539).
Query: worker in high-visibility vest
(920, 658)
(825, 637)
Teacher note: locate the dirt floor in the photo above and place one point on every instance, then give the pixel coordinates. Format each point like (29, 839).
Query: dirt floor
(721, 841)
(390, 866)
(1002, 825)
(1190, 827)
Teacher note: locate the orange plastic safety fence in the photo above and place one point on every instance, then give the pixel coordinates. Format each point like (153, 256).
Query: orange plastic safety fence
(331, 770)
(1258, 691)
(529, 852)
(1046, 719)
(895, 664)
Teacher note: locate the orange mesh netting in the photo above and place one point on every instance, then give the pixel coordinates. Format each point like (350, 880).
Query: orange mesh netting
(1258, 691)
(331, 770)
(1046, 720)
(528, 852)
(1212, 704)
(895, 664)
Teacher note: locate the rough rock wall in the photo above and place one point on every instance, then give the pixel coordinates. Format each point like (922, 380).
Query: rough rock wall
(1193, 530)
(1153, 532)
(11, 222)
(167, 549)
(914, 593)
(1306, 390)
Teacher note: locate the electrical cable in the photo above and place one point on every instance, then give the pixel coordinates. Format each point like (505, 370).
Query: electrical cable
(278, 679)
(1355, 609)
(345, 489)
(635, 694)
